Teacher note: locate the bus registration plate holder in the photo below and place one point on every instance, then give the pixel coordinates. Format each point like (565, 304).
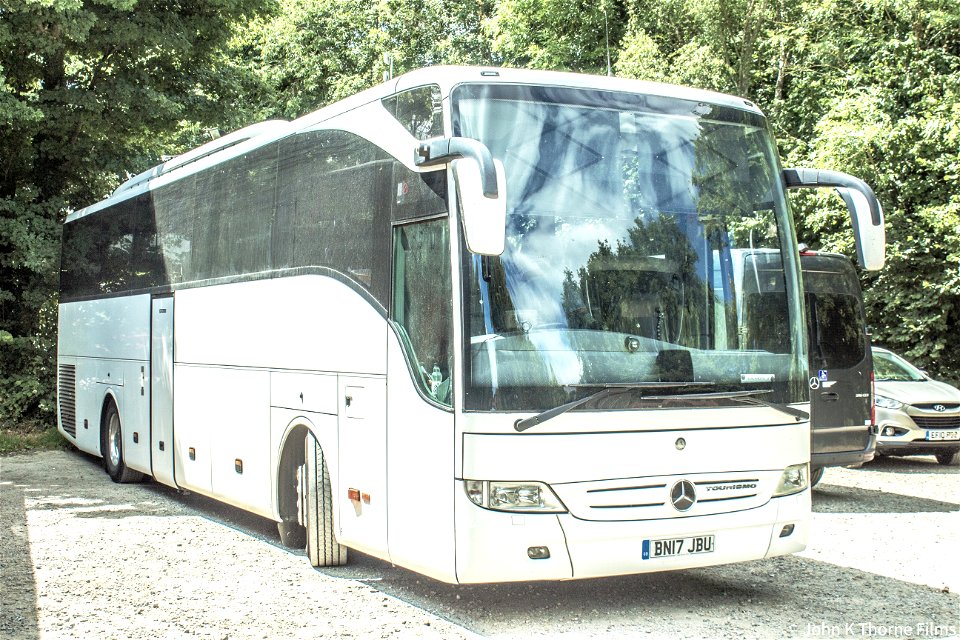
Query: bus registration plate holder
(668, 547)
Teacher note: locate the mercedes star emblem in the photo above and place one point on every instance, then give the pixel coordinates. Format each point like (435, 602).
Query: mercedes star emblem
(683, 495)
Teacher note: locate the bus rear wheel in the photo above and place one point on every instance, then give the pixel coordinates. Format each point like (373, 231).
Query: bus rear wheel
(112, 448)
(316, 503)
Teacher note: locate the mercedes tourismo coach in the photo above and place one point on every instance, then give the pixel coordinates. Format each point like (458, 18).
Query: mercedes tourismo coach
(479, 323)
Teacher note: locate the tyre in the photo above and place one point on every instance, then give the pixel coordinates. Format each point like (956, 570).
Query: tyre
(316, 513)
(816, 475)
(951, 458)
(112, 448)
(292, 534)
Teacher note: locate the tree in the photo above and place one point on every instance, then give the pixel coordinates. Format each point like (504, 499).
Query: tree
(309, 53)
(90, 90)
(882, 102)
(555, 34)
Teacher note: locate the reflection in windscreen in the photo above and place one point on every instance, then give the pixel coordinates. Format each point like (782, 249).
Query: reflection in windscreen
(631, 221)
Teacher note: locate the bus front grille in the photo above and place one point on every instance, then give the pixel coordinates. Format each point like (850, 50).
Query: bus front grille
(67, 396)
(653, 498)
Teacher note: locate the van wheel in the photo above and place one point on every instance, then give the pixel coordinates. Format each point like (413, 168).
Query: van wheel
(816, 475)
(951, 458)
(112, 448)
(316, 503)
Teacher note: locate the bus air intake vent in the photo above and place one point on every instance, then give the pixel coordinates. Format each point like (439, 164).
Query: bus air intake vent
(67, 395)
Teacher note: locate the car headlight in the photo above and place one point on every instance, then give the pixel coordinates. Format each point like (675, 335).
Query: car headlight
(794, 479)
(527, 497)
(887, 403)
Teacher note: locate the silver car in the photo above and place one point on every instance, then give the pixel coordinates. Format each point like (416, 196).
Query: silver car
(915, 414)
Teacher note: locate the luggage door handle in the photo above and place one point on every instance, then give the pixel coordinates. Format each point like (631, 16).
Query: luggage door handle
(830, 396)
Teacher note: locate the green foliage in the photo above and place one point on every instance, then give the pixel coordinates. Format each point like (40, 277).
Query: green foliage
(554, 34)
(90, 89)
(887, 112)
(30, 438)
(309, 53)
(94, 90)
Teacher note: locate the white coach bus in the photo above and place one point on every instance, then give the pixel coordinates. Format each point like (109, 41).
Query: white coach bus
(480, 323)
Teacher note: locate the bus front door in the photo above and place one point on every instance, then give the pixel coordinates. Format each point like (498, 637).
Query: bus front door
(161, 389)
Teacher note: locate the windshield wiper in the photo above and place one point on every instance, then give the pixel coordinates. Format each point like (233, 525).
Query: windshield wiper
(745, 396)
(610, 389)
(604, 391)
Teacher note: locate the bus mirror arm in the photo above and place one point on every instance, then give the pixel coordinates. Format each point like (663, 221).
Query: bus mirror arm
(866, 213)
(441, 151)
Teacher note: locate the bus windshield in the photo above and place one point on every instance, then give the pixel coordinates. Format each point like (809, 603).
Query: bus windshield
(628, 220)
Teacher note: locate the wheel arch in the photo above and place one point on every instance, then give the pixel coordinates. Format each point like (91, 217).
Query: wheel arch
(109, 397)
(290, 455)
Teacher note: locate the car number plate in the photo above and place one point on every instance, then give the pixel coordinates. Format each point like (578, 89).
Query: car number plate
(943, 435)
(668, 547)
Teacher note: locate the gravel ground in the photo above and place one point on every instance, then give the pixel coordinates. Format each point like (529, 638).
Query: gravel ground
(82, 557)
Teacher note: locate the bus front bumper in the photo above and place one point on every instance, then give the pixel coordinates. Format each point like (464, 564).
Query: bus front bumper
(495, 546)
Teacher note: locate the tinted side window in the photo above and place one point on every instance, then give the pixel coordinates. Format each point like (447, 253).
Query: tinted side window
(333, 207)
(321, 198)
(112, 250)
(418, 110)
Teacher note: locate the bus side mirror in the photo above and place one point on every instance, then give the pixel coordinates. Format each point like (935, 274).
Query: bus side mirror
(484, 218)
(481, 189)
(865, 211)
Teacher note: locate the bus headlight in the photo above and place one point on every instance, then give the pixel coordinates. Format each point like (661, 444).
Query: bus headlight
(526, 497)
(794, 479)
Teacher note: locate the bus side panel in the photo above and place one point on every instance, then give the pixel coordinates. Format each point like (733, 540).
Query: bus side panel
(107, 341)
(232, 335)
(362, 469)
(195, 412)
(135, 416)
(420, 470)
(240, 439)
(308, 323)
(223, 422)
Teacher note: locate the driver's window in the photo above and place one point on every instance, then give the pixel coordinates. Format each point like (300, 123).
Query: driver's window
(422, 306)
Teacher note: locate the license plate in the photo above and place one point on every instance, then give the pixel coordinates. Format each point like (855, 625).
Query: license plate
(943, 435)
(668, 547)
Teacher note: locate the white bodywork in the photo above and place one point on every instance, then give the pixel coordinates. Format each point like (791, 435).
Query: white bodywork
(253, 361)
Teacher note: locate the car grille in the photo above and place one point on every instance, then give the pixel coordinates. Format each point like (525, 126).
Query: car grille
(937, 422)
(931, 406)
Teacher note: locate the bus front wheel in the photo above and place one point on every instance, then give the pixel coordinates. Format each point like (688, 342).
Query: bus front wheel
(316, 503)
(112, 448)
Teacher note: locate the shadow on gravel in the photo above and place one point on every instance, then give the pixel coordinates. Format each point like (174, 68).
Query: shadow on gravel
(785, 597)
(242, 521)
(909, 465)
(828, 498)
(788, 597)
(18, 614)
